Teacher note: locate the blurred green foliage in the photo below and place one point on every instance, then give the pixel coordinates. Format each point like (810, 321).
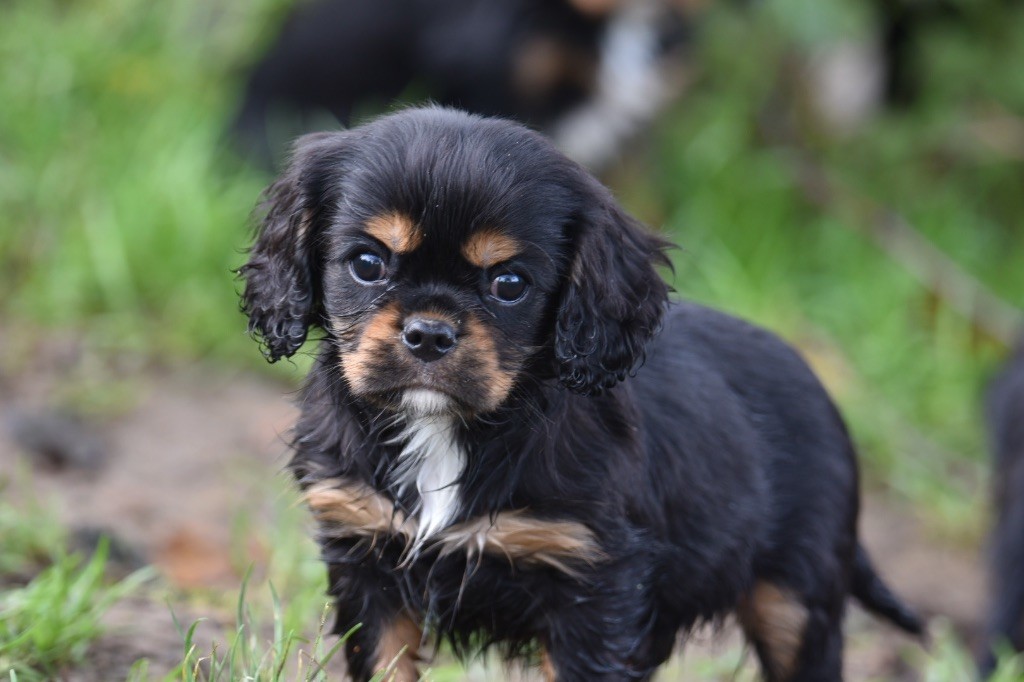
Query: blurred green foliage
(731, 171)
(122, 214)
(122, 211)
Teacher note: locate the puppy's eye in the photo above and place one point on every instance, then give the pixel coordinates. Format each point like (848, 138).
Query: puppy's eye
(368, 268)
(508, 287)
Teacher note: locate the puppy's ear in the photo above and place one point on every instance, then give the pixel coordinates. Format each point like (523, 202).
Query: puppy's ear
(281, 296)
(613, 300)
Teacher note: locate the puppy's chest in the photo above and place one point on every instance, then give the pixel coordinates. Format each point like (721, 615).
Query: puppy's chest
(426, 474)
(418, 505)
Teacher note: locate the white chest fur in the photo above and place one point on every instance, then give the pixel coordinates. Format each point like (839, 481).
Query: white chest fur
(431, 459)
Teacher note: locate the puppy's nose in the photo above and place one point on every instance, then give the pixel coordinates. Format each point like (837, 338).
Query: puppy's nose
(428, 340)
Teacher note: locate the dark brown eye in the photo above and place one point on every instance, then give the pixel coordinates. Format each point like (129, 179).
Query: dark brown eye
(368, 268)
(508, 288)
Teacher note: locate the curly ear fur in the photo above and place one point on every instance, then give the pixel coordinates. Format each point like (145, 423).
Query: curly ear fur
(614, 298)
(280, 295)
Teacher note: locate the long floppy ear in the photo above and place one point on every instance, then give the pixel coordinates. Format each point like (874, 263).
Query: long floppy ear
(614, 299)
(281, 296)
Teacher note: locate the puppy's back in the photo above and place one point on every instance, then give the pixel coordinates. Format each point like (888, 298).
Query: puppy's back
(798, 442)
(782, 397)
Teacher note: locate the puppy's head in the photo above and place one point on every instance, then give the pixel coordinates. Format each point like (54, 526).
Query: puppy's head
(443, 255)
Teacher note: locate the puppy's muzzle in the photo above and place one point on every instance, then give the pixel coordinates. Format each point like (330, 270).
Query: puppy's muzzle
(428, 340)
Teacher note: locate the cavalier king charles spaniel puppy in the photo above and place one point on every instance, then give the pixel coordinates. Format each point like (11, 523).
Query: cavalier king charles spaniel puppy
(510, 436)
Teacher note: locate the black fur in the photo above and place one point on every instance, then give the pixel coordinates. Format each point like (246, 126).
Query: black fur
(1005, 622)
(613, 299)
(281, 293)
(717, 464)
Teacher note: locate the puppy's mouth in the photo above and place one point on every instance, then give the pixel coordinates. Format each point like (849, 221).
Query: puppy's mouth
(419, 400)
(427, 402)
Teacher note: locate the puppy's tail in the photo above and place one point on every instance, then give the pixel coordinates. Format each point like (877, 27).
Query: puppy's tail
(876, 597)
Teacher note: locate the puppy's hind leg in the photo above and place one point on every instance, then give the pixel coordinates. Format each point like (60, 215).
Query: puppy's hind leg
(794, 642)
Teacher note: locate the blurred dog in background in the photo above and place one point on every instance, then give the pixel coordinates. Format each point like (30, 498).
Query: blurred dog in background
(1005, 623)
(590, 73)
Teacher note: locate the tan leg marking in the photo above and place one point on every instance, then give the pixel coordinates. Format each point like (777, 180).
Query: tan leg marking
(351, 509)
(398, 651)
(775, 618)
(489, 247)
(525, 541)
(396, 231)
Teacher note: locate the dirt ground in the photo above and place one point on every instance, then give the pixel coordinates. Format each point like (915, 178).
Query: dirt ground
(192, 449)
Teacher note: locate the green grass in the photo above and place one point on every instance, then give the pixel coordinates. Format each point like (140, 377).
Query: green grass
(48, 624)
(122, 215)
(32, 539)
(251, 655)
(949, 660)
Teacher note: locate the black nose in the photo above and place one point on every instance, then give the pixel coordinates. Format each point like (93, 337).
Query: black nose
(428, 340)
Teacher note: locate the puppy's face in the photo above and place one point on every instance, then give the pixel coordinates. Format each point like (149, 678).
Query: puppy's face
(443, 254)
(429, 313)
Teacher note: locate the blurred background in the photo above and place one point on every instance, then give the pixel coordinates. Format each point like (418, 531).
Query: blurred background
(847, 173)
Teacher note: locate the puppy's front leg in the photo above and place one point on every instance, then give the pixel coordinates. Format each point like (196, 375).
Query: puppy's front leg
(396, 651)
(589, 655)
(604, 634)
(386, 637)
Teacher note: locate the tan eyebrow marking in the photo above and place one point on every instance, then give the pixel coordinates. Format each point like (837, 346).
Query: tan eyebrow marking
(398, 232)
(489, 247)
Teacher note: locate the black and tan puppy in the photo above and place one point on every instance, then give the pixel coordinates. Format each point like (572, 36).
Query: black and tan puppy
(1005, 624)
(490, 458)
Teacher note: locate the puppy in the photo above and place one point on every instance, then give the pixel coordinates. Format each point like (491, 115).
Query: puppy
(1005, 622)
(489, 457)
